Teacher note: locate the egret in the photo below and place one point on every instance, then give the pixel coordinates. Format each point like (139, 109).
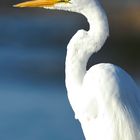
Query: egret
(105, 99)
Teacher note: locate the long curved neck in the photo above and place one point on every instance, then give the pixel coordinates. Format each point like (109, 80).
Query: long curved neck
(79, 53)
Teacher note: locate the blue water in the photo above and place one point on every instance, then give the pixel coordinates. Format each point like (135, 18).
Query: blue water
(33, 103)
(33, 99)
(36, 113)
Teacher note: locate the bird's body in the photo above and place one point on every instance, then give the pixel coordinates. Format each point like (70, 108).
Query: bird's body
(105, 99)
(109, 112)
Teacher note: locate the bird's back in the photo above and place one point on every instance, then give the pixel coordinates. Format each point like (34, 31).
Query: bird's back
(111, 104)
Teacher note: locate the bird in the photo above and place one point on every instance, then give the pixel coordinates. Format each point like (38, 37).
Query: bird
(104, 98)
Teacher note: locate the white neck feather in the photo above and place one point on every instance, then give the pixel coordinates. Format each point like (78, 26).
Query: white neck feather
(83, 44)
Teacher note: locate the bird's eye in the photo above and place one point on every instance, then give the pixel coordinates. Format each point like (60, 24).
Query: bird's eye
(65, 1)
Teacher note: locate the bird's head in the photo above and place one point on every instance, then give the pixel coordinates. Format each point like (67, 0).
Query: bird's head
(67, 5)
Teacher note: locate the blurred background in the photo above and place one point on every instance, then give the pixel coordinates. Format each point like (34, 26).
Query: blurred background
(33, 100)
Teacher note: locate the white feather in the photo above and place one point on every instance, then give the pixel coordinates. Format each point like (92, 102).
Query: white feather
(105, 99)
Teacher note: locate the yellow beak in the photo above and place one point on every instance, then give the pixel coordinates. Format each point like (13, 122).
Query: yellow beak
(41, 3)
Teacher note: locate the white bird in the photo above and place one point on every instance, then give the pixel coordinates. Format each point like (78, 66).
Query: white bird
(105, 98)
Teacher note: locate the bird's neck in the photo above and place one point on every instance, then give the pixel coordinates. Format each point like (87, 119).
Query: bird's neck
(78, 53)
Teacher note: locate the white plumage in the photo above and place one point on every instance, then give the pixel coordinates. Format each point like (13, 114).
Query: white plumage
(105, 99)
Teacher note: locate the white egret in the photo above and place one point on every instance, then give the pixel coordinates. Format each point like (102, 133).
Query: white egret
(105, 99)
